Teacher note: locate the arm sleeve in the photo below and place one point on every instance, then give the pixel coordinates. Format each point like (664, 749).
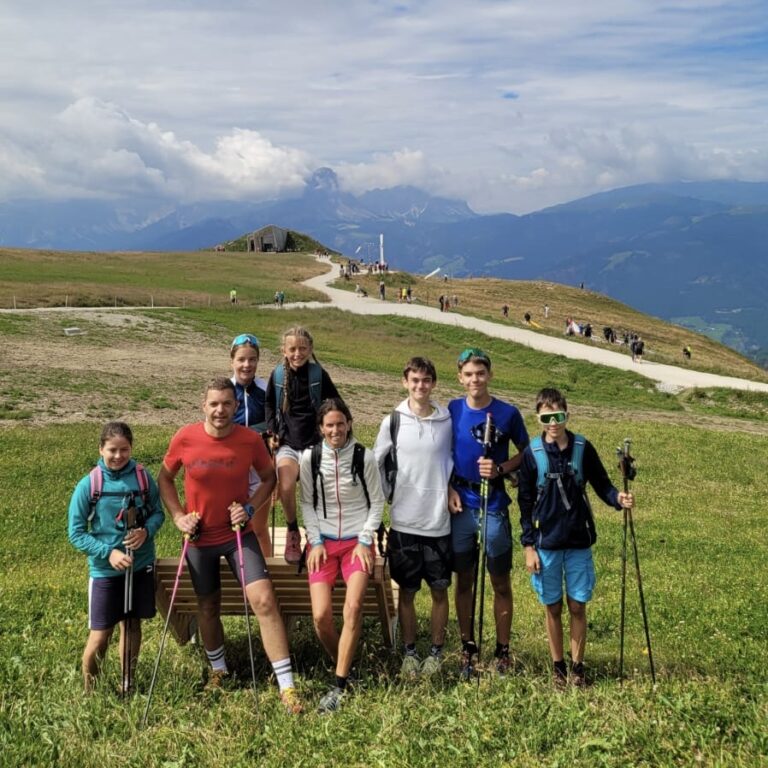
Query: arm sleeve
(77, 523)
(308, 511)
(269, 405)
(327, 387)
(155, 516)
(373, 483)
(597, 477)
(526, 498)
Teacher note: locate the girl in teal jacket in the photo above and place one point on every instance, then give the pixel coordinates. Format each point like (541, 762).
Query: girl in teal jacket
(116, 531)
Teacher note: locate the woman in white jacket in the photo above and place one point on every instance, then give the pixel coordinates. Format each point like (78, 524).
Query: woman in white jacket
(342, 513)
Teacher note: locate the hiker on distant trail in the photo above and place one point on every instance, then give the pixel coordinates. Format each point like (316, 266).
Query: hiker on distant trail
(546, 311)
(216, 456)
(687, 352)
(251, 394)
(558, 527)
(233, 296)
(342, 503)
(505, 311)
(468, 416)
(441, 302)
(409, 294)
(413, 451)
(527, 318)
(113, 520)
(295, 390)
(587, 331)
(382, 290)
(639, 349)
(280, 298)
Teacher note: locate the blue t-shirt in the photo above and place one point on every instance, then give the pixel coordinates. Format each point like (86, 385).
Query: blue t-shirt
(468, 433)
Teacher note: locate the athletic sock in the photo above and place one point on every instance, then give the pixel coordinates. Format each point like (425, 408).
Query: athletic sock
(436, 650)
(284, 673)
(294, 526)
(501, 650)
(561, 668)
(341, 682)
(469, 646)
(217, 660)
(410, 649)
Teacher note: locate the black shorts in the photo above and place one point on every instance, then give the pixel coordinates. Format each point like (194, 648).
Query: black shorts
(413, 558)
(106, 598)
(204, 564)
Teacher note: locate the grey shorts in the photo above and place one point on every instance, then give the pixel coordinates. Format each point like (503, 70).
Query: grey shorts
(204, 564)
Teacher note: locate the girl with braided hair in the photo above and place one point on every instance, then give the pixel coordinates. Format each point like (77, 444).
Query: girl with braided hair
(295, 389)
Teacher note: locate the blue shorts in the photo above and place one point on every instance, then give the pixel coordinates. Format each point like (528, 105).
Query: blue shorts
(575, 565)
(498, 542)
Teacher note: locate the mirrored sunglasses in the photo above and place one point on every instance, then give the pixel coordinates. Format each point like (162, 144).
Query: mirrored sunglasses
(244, 338)
(557, 417)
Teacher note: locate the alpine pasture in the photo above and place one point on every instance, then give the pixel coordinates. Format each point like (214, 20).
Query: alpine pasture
(700, 521)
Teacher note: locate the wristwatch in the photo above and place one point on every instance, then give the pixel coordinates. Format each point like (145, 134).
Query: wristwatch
(500, 470)
(248, 510)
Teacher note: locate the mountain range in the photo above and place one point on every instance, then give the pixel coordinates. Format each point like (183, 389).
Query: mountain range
(690, 252)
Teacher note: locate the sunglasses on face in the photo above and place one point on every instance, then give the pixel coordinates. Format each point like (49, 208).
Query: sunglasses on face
(557, 417)
(473, 352)
(245, 338)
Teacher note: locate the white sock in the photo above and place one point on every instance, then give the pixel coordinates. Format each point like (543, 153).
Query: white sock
(217, 660)
(284, 673)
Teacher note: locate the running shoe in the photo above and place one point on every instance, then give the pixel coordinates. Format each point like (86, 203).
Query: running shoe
(291, 701)
(578, 676)
(331, 702)
(292, 547)
(559, 679)
(410, 667)
(431, 665)
(503, 664)
(217, 679)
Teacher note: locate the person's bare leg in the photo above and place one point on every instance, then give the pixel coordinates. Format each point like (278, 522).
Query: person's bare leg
(93, 655)
(287, 477)
(133, 630)
(353, 622)
(439, 617)
(578, 612)
(322, 616)
(555, 630)
(261, 596)
(406, 613)
(464, 584)
(209, 620)
(502, 606)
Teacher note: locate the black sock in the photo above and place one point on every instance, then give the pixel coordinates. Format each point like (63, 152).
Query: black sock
(410, 649)
(501, 650)
(469, 646)
(294, 526)
(561, 668)
(341, 682)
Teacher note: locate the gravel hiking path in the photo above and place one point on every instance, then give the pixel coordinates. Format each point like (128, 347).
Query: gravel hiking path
(669, 378)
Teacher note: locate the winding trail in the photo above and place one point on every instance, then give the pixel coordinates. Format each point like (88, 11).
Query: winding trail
(668, 377)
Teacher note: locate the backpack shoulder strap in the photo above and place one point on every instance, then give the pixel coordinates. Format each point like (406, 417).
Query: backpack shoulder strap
(358, 470)
(542, 461)
(278, 379)
(96, 479)
(394, 428)
(315, 383)
(316, 456)
(577, 458)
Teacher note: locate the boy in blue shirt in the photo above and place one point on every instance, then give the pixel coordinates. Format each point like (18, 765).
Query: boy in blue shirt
(558, 527)
(468, 415)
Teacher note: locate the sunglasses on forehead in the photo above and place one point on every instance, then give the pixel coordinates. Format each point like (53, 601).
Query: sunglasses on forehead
(245, 338)
(557, 417)
(471, 352)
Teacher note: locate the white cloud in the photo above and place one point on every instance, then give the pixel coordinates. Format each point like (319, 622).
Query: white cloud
(387, 170)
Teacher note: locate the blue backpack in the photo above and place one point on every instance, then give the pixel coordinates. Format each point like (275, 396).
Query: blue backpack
(546, 476)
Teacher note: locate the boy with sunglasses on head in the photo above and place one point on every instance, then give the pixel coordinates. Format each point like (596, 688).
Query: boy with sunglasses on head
(558, 527)
(465, 502)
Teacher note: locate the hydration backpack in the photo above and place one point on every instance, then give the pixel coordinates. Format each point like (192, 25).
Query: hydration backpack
(315, 385)
(545, 476)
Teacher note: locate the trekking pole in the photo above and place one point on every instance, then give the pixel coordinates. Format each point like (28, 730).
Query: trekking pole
(629, 472)
(487, 436)
(184, 547)
(127, 671)
(237, 529)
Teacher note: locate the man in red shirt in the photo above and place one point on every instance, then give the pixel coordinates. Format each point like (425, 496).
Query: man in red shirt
(217, 455)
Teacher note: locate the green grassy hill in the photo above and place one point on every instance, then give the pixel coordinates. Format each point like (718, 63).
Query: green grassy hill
(700, 523)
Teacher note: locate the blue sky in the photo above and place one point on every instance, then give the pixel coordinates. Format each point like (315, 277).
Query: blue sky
(511, 105)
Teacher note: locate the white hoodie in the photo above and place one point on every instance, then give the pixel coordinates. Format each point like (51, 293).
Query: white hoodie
(424, 466)
(346, 513)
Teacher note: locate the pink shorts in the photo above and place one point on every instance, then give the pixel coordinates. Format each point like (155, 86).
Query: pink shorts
(339, 559)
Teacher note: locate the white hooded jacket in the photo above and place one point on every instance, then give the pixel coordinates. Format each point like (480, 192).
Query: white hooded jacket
(424, 466)
(346, 514)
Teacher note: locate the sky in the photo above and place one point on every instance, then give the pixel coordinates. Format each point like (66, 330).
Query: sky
(511, 105)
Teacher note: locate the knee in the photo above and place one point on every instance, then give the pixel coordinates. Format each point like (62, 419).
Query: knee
(323, 621)
(209, 609)
(464, 581)
(262, 602)
(576, 609)
(439, 596)
(353, 611)
(502, 586)
(555, 610)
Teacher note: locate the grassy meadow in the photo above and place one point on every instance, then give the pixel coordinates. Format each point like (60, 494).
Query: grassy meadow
(700, 521)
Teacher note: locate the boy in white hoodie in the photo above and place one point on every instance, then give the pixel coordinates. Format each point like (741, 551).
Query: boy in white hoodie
(420, 534)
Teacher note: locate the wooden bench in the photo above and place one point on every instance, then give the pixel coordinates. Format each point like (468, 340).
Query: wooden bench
(291, 590)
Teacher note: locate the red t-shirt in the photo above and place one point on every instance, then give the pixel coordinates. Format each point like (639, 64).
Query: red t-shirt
(215, 474)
